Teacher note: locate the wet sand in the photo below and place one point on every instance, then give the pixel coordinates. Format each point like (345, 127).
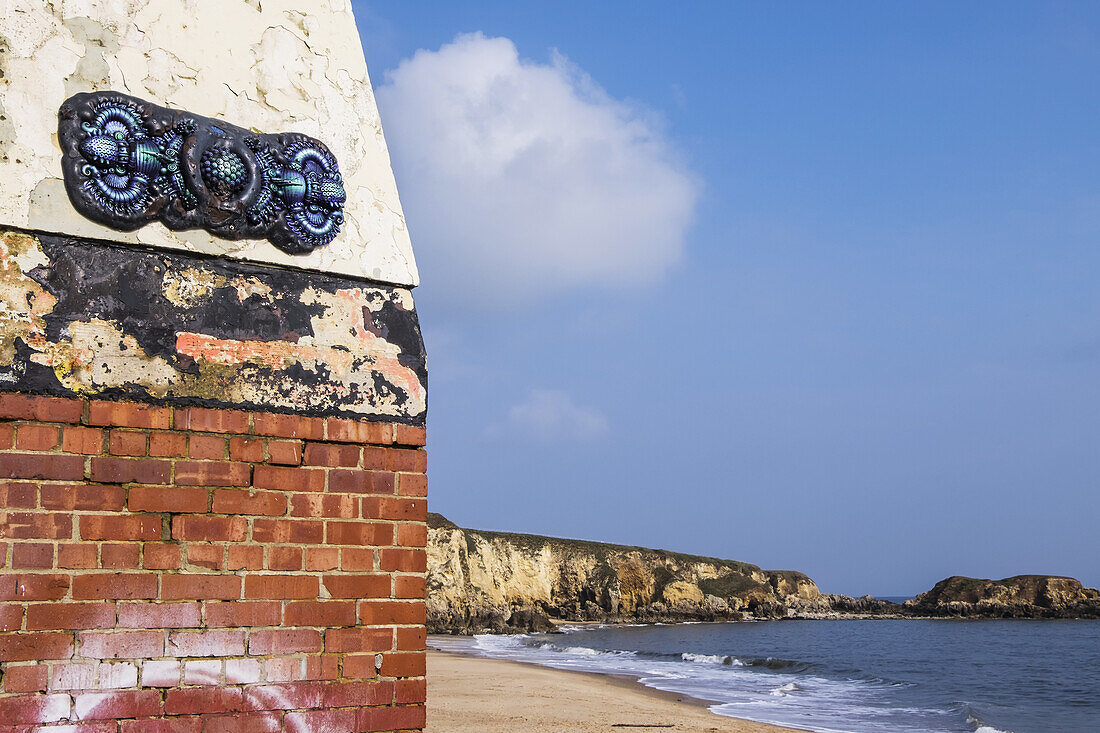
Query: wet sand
(474, 695)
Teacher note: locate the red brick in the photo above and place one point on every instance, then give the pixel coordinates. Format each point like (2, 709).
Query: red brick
(206, 556)
(168, 445)
(412, 484)
(358, 640)
(115, 586)
(297, 531)
(83, 497)
(281, 586)
(285, 452)
(410, 435)
(250, 450)
(262, 722)
(77, 556)
(358, 481)
(357, 559)
(395, 459)
(406, 691)
(353, 694)
(284, 558)
(207, 446)
(195, 528)
(322, 667)
(359, 533)
(321, 720)
(110, 470)
(28, 678)
(37, 437)
(88, 441)
(412, 535)
(389, 613)
(404, 561)
(54, 467)
(41, 526)
(284, 641)
(211, 421)
(129, 415)
(115, 705)
(122, 556)
(411, 639)
(32, 407)
(405, 717)
(288, 695)
(35, 647)
(409, 586)
(172, 499)
(206, 643)
(246, 557)
(243, 501)
(199, 587)
(243, 613)
(7, 435)
(322, 558)
(164, 556)
(142, 527)
(72, 676)
(128, 443)
(289, 426)
(281, 478)
(121, 644)
(70, 615)
(320, 613)
(322, 454)
(38, 555)
(19, 495)
(324, 505)
(203, 700)
(358, 431)
(36, 587)
(358, 586)
(159, 615)
(213, 473)
(33, 710)
(397, 509)
(403, 664)
(11, 616)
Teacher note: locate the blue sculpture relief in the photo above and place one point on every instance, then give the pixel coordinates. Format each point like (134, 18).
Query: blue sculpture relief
(128, 162)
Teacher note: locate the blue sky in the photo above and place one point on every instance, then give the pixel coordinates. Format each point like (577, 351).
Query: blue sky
(811, 286)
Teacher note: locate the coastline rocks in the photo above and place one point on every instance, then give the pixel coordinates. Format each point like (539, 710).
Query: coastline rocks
(1021, 596)
(501, 582)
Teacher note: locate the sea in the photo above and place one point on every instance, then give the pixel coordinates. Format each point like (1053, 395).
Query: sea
(846, 676)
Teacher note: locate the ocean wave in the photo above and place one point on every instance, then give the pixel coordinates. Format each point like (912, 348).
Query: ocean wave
(784, 690)
(721, 659)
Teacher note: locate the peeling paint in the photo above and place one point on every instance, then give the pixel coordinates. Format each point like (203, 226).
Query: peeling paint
(87, 318)
(225, 59)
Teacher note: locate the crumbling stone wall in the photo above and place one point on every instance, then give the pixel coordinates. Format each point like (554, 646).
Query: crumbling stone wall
(216, 570)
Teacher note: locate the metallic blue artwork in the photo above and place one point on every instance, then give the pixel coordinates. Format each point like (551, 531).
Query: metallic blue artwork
(128, 162)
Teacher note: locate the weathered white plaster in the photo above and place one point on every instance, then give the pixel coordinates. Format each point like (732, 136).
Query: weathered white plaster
(269, 65)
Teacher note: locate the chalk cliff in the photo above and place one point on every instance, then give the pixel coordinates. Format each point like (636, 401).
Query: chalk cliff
(479, 580)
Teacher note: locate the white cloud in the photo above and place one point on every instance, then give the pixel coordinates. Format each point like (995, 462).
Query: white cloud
(553, 416)
(522, 179)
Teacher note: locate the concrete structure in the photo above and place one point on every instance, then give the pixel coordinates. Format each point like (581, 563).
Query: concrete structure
(212, 473)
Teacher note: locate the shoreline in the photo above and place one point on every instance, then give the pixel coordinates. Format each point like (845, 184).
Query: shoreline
(472, 694)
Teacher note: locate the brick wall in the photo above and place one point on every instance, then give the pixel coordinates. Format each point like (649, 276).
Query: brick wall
(213, 570)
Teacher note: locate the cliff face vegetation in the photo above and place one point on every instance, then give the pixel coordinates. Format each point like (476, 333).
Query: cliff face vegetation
(499, 581)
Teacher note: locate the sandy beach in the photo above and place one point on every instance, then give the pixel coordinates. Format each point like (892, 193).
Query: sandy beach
(474, 695)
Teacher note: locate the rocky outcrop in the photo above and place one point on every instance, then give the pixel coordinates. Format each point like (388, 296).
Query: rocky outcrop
(1022, 596)
(495, 581)
(482, 581)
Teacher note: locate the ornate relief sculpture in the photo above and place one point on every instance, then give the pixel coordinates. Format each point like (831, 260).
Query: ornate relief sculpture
(128, 162)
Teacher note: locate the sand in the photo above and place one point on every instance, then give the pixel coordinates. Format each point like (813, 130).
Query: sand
(473, 695)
